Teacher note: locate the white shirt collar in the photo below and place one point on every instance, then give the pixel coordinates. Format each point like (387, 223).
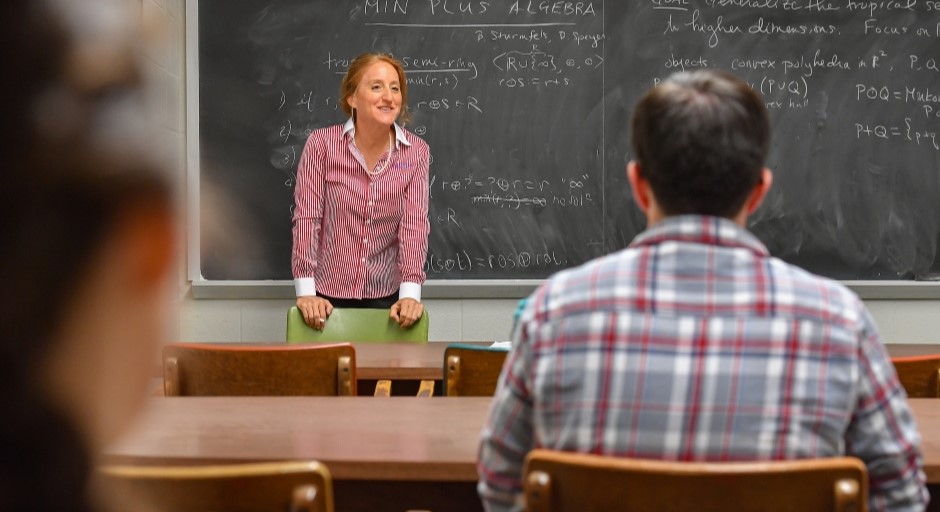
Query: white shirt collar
(350, 128)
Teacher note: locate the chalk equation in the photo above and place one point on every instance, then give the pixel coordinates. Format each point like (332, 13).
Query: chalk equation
(467, 261)
(924, 98)
(905, 132)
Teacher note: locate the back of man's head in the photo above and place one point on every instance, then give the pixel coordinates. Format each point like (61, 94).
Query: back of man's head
(700, 139)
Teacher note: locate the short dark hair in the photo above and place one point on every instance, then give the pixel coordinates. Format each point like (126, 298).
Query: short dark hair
(701, 139)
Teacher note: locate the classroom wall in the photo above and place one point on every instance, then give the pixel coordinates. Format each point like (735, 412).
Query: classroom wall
(163, 64)
(213, 320)
(900, 321)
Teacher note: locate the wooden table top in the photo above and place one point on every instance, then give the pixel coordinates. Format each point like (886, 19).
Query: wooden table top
(358, 438)
(398, 361)
(397, 438)
(912, 349)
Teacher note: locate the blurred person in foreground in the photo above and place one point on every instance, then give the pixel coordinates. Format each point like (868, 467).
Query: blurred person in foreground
(694, 344)
(87, 236)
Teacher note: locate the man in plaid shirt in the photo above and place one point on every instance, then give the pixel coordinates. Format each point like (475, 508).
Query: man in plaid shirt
(694, 344)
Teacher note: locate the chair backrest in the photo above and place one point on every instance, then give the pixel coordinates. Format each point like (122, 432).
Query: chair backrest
(471, 370)
(557, 481)
(201, 369)
(360, 325)
(920, 375)
(259, 487)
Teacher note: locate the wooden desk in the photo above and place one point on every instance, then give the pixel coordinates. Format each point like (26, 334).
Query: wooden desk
(397, 438)
(359, 438)
(912, 349)
(403, 361)
(384, 454)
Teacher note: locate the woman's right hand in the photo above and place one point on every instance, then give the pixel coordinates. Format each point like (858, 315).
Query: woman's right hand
(315, 310)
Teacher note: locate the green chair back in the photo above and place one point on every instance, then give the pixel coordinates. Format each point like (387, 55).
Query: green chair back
(359, 325)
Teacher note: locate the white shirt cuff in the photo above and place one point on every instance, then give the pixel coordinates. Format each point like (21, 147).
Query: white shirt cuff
(410, 291)
(305, 286)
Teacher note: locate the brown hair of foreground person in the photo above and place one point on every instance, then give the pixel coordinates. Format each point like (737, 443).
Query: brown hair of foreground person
(87, 236)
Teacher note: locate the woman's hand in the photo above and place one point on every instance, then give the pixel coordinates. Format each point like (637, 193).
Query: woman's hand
(406, 311)
(315, 310)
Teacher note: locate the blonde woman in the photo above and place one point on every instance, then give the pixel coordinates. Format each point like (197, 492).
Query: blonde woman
(361, 202)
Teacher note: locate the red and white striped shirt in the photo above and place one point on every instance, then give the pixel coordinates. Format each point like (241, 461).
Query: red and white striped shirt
(358, 236)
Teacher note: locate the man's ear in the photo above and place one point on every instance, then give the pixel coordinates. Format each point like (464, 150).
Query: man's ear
(639, 186)
(760, 190)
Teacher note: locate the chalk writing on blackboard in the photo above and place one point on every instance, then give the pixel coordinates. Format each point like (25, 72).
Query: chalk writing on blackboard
(526, 105)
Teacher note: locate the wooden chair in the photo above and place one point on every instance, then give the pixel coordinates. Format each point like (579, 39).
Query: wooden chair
(557, 481)
(257, 487)
(193, 369)
(360, 325)
(472, 370)
(920, 375)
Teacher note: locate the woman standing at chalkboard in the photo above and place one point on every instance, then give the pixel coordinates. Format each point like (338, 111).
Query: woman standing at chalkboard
(361, 202)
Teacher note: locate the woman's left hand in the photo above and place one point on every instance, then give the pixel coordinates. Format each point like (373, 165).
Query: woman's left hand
(406, 311)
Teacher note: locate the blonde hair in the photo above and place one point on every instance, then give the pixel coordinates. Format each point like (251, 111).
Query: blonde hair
(354, 75)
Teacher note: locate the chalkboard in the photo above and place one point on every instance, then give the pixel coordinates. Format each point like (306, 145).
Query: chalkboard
(526, 107)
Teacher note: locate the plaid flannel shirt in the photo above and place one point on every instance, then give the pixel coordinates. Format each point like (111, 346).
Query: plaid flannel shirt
(693, 344)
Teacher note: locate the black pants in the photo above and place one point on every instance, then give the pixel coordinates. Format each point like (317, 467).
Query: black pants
(379, 303)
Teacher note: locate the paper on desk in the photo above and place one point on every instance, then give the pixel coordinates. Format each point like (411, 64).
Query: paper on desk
(505, 345)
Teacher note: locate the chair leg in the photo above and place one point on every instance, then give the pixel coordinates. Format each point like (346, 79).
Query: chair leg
(427, 388)
(383, 388)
